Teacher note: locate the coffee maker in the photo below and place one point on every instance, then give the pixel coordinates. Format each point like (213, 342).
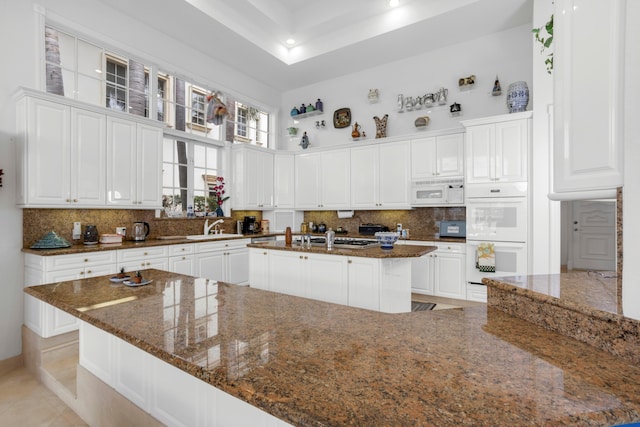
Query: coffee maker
(250, 225)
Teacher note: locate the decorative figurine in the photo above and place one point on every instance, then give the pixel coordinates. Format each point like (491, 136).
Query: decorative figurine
(381, 126)
(302, 109)
(294, 112)
(304, 142)
(319, 105)
(497, 90)
(373, 95)
(355, 133)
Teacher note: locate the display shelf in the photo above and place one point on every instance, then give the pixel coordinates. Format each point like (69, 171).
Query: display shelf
(309, 114)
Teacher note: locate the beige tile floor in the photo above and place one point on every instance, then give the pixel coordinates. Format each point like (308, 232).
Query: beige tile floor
(25, 402)
(444, 303)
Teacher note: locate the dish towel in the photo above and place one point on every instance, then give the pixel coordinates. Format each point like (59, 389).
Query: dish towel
(486, 258)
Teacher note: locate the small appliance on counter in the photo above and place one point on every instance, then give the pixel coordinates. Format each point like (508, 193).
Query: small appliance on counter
(453, 228)
(371, 229)
(250, 226)
(90, 235)
(140, 231)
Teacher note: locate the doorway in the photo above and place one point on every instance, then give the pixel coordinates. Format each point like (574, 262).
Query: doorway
(589, 237)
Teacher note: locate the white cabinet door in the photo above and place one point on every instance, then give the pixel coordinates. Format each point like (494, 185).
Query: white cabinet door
(237, 266)
(511, 148)
(307, 181)
(423, 158)
(365, 188)
(479, 149)
(184, 264)
(121, 162)
(422, 274)
(395, 175)
(88, 158)
(257, 182)
(450, 155)
(286, 273)
(327, 278)
(588, 135)
(364, 283)
(284, 179)
(259, 268)
(498, 152)
(210, 266)
(336, 188)
(134, 164)
(149, 167)
(449, 275)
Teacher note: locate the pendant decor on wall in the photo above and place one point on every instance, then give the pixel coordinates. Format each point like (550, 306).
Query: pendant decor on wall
(342, 118)
(517, 97)
(1, 173)
(497, 90)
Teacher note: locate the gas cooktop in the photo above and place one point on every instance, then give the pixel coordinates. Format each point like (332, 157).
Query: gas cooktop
(345, 243)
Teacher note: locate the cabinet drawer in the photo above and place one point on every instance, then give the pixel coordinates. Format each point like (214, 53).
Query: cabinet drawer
(185, 249)
(221, 245)
(63, 262)
(142, 253)
(457, 248)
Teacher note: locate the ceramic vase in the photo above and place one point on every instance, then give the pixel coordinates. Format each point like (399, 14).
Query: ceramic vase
(517, 97)
(219, 212)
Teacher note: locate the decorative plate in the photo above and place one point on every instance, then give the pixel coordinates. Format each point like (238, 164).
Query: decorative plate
(133, 285)
(116, 279)
(51, 241)
(342, 118)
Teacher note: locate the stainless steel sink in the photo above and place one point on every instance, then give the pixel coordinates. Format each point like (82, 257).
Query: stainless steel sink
(212, 236)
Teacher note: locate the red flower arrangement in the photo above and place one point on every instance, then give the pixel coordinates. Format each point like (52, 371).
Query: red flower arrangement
(218, 197)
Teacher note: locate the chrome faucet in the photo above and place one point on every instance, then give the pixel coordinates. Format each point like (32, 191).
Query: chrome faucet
(207, 227)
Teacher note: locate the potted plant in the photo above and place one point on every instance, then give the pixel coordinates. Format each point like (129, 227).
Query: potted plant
(217, 197)
(544, 35)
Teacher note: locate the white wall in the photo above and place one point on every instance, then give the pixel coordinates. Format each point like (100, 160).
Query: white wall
(631, 196)
(506, 54)
(19, 29)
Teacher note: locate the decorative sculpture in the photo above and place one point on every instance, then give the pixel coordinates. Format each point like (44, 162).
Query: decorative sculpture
(381, 126)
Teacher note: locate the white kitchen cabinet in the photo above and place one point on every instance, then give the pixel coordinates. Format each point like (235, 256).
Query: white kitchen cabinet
(437, 157)
(143, 258)
(364, 283)
(588, 75)
(449, 271)
(326, 278)
(62, 155)
(497, 148)
(284, 181)
(259, 269)
(253, 177)
(380, 176)
(134, 164)
(322, 180)
(286, 272)
(181, 259)
(44, 319)
(225, 261)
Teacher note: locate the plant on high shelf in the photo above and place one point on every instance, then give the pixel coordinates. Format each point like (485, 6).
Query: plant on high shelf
(544, 35)
(218, 197)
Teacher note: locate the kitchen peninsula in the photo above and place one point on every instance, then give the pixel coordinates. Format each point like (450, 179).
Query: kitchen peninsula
(367, 277)
(166, 346)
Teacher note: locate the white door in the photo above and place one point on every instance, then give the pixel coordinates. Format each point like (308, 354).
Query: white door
(364, 283)
(122, 167)
(266, 181)
(449, 275)
(210, 266)
(149, 166)
(594, 235)
(182, 264)
(423, 158)
(327, 278)
(259, 269)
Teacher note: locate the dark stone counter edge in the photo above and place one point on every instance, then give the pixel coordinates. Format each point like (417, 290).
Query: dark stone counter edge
(399, 251)
(286, 413)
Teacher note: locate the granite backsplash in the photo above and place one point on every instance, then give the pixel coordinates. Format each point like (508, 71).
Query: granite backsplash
(422, 222)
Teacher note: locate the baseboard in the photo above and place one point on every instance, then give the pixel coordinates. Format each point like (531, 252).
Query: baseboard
(8, 365)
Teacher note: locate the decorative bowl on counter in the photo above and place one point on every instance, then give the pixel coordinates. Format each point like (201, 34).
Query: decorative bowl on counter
(387, 238)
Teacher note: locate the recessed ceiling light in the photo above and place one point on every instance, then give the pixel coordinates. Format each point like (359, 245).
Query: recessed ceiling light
(393, 3)
(291, 42)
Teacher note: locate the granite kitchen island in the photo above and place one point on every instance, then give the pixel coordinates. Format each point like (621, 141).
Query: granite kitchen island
(312, 363)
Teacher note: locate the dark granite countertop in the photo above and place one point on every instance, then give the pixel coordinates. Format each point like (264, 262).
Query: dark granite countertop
(398, 251)
(313, 363)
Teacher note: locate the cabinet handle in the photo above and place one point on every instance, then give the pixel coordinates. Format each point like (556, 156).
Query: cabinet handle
(89, 272)
(306, 257)
(300, 256)
(145, 254)
(349, 262)
(226, 245)
(82, 273)
(183, 249)
(264, 253)
(142, 265)
(184, 257)
(86, 260)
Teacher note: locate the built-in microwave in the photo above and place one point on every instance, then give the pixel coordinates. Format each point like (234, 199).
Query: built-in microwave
(437, 192)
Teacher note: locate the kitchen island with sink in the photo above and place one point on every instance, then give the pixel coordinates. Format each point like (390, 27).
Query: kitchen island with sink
(365, 277)
(190, 351)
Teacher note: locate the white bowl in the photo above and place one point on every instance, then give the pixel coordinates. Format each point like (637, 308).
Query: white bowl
(387, 238)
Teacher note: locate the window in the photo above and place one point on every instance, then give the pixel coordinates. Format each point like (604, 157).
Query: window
(251, 125)
(116, 84)
(163, 90)
(189, 171)
(198, 107)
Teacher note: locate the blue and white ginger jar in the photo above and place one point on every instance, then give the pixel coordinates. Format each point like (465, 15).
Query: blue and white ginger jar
(517, 97)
